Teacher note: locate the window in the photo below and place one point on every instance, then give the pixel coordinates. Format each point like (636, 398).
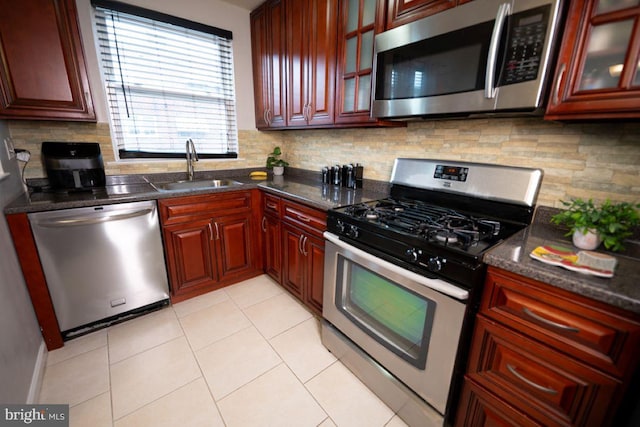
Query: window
(167, 80)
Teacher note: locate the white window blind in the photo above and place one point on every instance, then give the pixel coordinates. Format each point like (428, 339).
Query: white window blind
(167, 80)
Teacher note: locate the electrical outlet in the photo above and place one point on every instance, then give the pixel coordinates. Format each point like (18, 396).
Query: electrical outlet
(23, 155)
(11, 151)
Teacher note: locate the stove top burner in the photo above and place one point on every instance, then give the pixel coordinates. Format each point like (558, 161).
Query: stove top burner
(434, 223)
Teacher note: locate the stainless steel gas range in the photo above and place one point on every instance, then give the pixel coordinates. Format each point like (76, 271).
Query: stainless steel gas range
(403, 275)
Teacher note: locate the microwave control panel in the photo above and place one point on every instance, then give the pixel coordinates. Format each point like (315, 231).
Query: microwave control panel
(523, 57)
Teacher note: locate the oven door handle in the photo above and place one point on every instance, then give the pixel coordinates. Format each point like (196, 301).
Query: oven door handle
(435, 284)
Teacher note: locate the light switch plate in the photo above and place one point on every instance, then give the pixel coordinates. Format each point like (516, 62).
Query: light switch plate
(11, 152)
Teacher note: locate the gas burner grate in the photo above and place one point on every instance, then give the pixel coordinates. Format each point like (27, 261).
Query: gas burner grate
(436, 224)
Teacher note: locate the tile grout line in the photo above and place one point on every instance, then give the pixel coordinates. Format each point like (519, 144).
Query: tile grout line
(193, 352)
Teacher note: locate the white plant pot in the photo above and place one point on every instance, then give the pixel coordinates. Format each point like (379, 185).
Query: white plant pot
(589, 240)
(278, 170)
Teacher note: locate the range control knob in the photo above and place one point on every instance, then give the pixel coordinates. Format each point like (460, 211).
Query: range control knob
(413, 254)
(340, 226)
(435, 263)
(353, 232)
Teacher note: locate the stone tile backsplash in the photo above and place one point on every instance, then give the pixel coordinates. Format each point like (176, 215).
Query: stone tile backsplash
(588, 160)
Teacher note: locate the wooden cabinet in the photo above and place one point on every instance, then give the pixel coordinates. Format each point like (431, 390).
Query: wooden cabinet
(210, 241)
(29, 260)
(272, 231)
(303, 274)
(311, 32)
(268, 47)
(42, 67)
(404, 11)
(295, 257)
(546, 356)
(304, 256)
(313, 64)
(598, 71)
(190, 255)
(358, 23)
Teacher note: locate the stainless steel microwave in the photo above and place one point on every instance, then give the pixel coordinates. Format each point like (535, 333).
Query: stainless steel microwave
(486, 56)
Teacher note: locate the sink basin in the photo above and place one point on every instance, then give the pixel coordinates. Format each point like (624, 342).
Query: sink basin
(194, 185)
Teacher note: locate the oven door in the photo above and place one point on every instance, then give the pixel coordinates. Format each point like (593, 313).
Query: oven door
(408, 323)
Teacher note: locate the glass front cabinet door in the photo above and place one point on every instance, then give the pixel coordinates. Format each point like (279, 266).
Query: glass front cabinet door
(598, 70)
(359, 22)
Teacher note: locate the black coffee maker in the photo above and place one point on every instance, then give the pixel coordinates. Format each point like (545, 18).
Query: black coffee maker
(73, 165)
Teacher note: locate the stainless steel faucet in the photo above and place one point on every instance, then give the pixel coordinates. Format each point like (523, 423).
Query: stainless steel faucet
(192, 156)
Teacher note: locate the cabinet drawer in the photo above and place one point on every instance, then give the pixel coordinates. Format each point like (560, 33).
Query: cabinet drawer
(310, 219)
(271, 205)
(190, 208)
(548, 386)
(585, 329)
(479, 408)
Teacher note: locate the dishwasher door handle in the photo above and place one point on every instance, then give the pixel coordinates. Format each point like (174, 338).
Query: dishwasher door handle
(89, 220)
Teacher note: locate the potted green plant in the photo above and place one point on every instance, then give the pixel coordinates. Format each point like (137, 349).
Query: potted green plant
(275, 162)
(590, 224)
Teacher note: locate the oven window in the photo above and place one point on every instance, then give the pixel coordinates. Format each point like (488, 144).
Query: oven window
(394, 316)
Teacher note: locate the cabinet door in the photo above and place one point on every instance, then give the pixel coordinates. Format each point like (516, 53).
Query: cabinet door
(42, 73)
(404, 11)
(293, 272)
(359, 21)
(261, 64)
(297, 50)
(268, 44)
(321, 61)
(189, 256)
(313, 250)
(273, 247)
(598, 72)
(232, 235)
(311, 28)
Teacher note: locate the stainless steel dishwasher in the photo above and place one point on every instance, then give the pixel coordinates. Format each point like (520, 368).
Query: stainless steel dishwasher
(102, 264)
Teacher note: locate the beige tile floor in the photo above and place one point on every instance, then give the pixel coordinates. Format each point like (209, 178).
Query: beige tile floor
(246, 355)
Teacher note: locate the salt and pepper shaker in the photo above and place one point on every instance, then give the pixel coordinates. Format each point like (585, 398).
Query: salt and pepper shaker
(326, 175)
(349, 175)
(336, 175)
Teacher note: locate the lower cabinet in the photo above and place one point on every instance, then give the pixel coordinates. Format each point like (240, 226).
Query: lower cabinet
(303, 273)
(272, 230)
(544, 356)
(190, 255)
(209, 242)
(294, 248)
(481, 408)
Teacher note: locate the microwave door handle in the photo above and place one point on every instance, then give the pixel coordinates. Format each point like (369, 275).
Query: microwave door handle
(492, 57)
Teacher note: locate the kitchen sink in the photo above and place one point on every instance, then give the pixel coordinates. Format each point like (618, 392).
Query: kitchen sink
(194, 185)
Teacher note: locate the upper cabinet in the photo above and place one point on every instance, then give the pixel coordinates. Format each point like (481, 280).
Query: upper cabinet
(42, 73)
(313, 63)
(598, 71)
(311, 31)
(268, 46)
(359, 21)
(405, 11)
(294, 63)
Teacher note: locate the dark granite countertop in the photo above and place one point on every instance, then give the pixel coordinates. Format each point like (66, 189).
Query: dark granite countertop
(622, 290)
(303, 186)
